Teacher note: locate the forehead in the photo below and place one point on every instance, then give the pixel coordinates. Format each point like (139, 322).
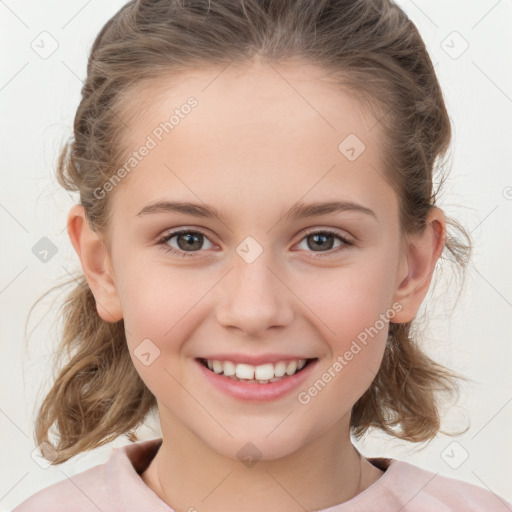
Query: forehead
(264, 132)
(264, 94)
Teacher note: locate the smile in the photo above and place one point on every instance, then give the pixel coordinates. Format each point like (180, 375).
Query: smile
(261, 383)
(261, 374)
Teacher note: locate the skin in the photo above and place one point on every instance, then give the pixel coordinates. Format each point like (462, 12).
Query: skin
(253, 147)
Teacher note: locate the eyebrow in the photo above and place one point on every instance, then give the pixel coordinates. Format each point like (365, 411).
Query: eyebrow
(298, 211)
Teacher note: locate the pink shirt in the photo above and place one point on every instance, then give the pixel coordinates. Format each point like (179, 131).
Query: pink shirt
(116, 486)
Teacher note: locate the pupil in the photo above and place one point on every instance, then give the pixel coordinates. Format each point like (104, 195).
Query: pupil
(189, 244)
(322, 238)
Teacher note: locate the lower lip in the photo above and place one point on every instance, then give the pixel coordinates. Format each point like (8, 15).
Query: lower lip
(253, 391)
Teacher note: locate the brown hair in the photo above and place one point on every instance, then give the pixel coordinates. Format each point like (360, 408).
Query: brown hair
(374, 51)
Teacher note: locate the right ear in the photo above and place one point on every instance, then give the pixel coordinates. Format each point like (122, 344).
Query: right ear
(96, 265)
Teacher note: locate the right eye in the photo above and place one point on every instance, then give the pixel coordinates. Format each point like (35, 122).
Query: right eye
(185, 239)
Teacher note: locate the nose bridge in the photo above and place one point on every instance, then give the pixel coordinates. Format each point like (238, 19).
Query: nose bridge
(254, 299)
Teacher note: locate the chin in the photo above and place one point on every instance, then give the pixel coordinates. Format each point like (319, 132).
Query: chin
(252, 446)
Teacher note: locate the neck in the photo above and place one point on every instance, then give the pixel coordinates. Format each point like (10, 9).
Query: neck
(187, 474)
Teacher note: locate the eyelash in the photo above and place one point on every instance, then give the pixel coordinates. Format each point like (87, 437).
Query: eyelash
(347, 244)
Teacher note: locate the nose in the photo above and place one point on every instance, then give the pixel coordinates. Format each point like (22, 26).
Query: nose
(254, 298)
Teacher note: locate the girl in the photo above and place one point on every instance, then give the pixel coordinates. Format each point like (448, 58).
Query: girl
(257, 228)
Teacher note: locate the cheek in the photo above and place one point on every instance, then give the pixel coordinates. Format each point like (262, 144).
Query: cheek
(353, 319)
(157, 308)
(352, 311)
(156, 299)
(348, 300)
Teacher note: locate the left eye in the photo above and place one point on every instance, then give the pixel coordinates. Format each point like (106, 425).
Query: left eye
(188, 241)
(319, 240)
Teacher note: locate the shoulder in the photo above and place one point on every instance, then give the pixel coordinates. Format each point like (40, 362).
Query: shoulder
(114, 486)
(423, 491)
(81, 492)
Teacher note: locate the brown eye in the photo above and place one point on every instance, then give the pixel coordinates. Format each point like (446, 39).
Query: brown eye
(323, 242)
(187, 241)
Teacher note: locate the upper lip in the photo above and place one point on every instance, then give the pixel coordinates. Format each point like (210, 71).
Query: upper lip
(255, 360)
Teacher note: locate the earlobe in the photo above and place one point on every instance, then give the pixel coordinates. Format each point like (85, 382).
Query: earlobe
(96, 266)
(417, 266)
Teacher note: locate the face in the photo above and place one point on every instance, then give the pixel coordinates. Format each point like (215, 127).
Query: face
(255, 281)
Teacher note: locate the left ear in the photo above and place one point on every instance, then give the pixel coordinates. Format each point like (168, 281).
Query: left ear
(417, 265)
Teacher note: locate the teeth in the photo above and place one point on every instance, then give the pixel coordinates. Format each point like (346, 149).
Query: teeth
(244, 371)
(280, 369)
(229, 368)
(291, 368)
(263, 373)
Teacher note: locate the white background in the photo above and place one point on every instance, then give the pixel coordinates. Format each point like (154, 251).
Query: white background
(38, 99)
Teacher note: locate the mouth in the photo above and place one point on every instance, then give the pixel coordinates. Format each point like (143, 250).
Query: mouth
(260, 374)
(256, 384)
